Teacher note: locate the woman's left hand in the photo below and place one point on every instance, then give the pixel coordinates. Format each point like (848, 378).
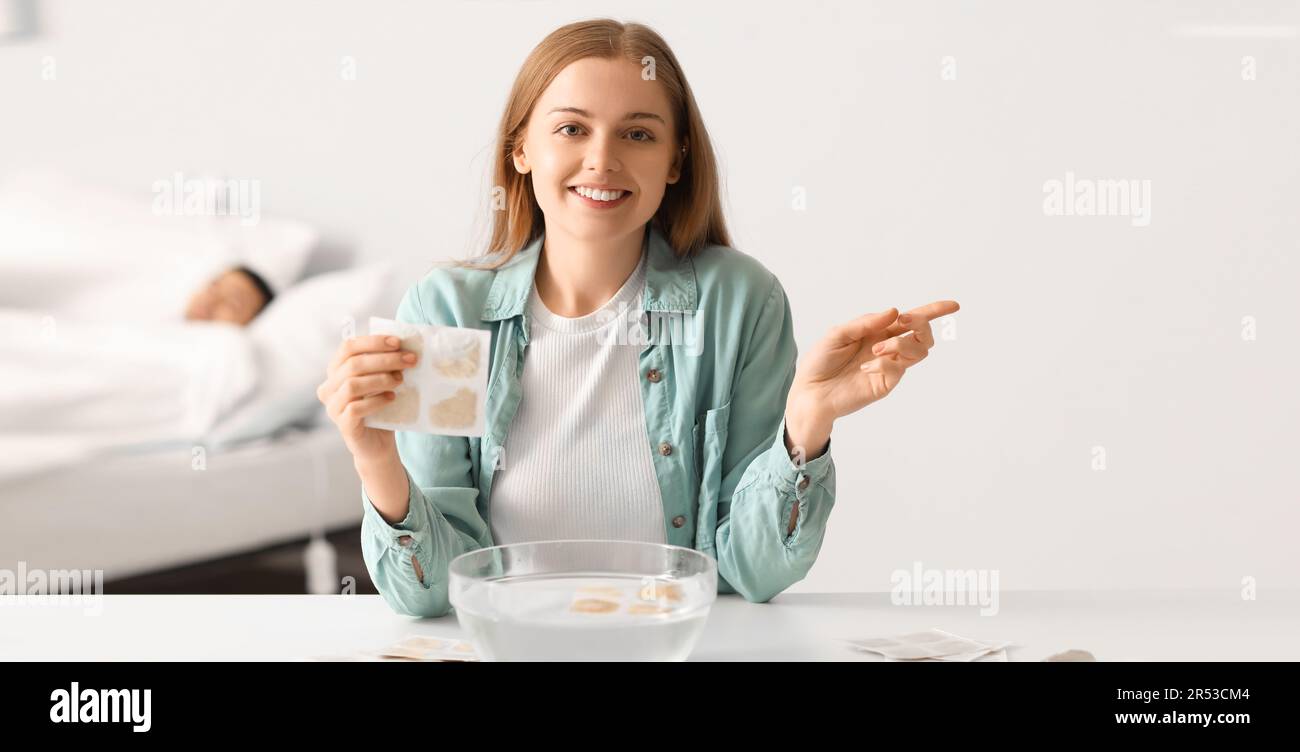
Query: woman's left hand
(855, 364)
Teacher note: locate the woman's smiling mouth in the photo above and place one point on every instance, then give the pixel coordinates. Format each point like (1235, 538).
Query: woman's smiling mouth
(600, 199)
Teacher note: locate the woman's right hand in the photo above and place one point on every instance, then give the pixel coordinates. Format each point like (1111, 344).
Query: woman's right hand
(360, 381)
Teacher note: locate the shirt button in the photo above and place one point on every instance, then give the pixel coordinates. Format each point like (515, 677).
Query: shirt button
(653, 375)
(665, 449)
(405, 540)
(678, 521)
(803, 482)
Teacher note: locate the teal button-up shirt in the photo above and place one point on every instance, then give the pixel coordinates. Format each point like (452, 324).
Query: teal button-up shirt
(717, 360)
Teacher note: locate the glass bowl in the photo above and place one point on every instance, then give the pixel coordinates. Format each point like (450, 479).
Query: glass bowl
(583, 600)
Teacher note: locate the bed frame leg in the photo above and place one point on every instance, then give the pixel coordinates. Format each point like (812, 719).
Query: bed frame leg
(321, 562)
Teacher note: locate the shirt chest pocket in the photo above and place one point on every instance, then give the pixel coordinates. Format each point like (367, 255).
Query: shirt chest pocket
(710, 441)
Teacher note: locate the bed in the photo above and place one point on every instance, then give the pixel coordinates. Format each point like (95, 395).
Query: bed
(130, 444)
(138, 513)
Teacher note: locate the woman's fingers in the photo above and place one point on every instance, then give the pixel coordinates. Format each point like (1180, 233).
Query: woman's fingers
(363, 365)
(358, 409)
(360, 388)
(918, 320)
(888, 323)
(911, 349)
(351, 387)
(882, 375)
(357, 345)
(367, 363)
(869, 325)
(920, 329)
(932, 311)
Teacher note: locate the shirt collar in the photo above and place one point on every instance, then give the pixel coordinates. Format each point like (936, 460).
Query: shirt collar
(669, 280)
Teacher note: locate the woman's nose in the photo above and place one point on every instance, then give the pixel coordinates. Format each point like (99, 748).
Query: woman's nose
(602, 154)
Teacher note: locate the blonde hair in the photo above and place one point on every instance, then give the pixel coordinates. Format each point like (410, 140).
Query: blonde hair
(690, 214)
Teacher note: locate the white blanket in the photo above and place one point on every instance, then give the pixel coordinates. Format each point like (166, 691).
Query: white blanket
(73, 389)
(95, 355)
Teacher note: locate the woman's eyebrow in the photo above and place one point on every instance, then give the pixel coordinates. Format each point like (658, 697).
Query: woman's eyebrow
(628, 116)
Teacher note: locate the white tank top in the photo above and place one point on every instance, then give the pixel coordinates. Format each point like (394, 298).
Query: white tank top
(576, 460)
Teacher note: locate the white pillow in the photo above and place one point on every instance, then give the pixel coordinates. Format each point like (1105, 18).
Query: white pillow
(277, 250)
(114, 253)
(293, 341)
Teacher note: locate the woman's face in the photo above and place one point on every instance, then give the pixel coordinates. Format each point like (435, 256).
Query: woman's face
(600, 124)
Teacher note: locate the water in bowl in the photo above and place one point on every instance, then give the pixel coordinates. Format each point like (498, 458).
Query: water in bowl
(585, 617)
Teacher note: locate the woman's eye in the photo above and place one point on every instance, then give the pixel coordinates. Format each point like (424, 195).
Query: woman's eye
(647, 134)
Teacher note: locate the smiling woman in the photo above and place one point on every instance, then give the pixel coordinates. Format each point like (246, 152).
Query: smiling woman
(612, 216)
(605, 106)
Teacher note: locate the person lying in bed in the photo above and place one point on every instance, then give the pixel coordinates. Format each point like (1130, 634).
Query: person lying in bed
(236, 296)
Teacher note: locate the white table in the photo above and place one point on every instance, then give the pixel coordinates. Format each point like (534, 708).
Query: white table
(1114, 626)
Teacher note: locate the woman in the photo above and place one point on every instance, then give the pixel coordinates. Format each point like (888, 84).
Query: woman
(699, 433)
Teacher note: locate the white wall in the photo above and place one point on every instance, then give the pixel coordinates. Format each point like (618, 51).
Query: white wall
(1075, 332)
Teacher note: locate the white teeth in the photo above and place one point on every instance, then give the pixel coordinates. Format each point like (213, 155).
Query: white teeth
(598, 195)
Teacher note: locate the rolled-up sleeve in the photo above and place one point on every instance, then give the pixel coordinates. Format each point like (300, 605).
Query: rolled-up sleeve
(442, 521)
(758, 556)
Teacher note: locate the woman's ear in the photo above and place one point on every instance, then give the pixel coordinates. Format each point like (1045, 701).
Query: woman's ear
(679, 161)
(520, 159)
